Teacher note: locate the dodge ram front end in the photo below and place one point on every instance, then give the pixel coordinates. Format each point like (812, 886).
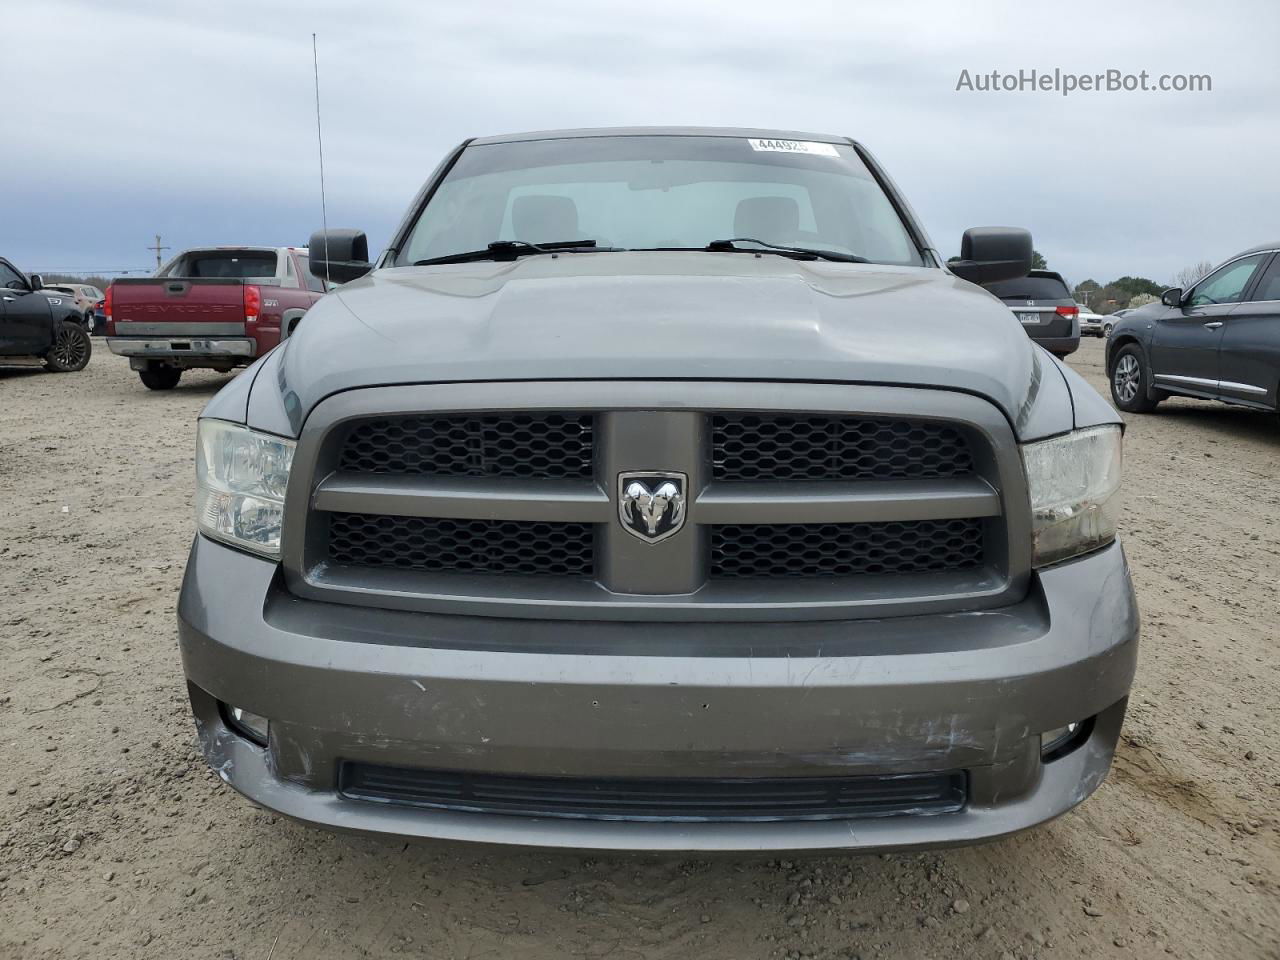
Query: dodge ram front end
(636, 533)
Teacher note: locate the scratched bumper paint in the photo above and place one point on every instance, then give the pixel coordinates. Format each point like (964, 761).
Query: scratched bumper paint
(960, 691)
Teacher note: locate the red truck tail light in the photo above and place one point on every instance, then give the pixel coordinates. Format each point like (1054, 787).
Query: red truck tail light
(252, 302)
(1067, 311)
(106, 303)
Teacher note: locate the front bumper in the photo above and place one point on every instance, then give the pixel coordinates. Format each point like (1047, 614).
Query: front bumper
(182, 347)
(966, 692)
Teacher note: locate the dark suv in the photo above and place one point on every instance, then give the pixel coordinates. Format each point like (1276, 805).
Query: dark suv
(38, 324)
(1043, 303)
(1219, 340)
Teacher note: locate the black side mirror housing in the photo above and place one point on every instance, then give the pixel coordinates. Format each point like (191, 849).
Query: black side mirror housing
(36, 281)
(1172, 297)
(988, 254)
(339, 255)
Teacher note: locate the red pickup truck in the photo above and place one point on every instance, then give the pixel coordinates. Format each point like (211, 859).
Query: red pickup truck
(213, 307)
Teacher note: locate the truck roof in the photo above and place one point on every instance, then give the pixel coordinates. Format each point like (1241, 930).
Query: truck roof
(237, 246)
(752, 132)
(243, 246)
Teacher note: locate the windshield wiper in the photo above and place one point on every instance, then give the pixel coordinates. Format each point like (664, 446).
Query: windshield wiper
(727, 246)
(510, 249)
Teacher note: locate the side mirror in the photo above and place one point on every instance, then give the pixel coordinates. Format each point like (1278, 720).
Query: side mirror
(988, 254)
(37, 282)
(339, 255)
(1172, 297)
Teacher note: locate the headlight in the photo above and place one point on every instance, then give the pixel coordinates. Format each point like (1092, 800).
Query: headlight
(241, 476)
(1074, 482)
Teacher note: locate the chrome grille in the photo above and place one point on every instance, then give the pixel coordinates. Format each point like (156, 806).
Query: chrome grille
(769, 550)
(542, 446)
(510, 547)
(763, 446)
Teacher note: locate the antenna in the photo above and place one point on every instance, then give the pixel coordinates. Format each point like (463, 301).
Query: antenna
(324, 214)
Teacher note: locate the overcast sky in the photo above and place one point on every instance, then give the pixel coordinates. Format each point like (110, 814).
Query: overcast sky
(196, 120)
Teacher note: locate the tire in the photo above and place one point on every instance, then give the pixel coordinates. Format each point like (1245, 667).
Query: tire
(71, 348)
(160, 378)
(1106, 330)
(1130, 379)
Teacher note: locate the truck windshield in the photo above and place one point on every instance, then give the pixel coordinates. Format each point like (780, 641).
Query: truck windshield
(660, 192)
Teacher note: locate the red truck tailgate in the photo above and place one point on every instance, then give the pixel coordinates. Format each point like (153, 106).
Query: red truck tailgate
(213, 306)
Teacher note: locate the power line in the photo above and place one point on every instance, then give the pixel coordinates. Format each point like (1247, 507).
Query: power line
(97, 271)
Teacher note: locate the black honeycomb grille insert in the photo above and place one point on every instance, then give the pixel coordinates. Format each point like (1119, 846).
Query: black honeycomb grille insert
(772, 550)
(437, 545)
(529, 446)
(701, 799)
(763, 447)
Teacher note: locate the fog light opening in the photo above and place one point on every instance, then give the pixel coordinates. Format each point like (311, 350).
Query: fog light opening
(1060, 741)
(248, 725)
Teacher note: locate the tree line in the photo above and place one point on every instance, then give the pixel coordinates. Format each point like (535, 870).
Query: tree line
(1125, 292)
(100, 282)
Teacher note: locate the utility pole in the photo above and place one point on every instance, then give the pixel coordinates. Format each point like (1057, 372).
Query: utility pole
(157, 248)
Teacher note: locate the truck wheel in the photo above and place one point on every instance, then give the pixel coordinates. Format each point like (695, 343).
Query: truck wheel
(160, 378)
(71, 348)
(1131, 380)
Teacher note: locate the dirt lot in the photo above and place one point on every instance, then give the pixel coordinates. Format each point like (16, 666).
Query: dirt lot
(116, 842)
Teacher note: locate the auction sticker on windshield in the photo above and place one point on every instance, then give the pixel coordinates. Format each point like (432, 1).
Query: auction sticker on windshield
(794, 146)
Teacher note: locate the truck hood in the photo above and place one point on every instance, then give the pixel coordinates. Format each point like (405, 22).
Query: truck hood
(667, 315)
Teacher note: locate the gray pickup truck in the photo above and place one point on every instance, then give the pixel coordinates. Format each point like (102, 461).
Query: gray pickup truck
(661, 489)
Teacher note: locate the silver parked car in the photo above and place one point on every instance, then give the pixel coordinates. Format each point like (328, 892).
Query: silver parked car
(661, 489)
(84, 297)
(1091, 324)
(1110, 320)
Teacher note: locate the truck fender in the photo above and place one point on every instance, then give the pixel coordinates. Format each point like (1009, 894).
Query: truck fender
(289, 321)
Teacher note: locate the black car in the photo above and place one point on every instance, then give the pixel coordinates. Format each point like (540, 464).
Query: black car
(97, 323)
(1219, 340)
(37, 324)
(1042, 301)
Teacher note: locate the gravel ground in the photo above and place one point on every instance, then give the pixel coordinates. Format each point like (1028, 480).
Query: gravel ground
(116, 842)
